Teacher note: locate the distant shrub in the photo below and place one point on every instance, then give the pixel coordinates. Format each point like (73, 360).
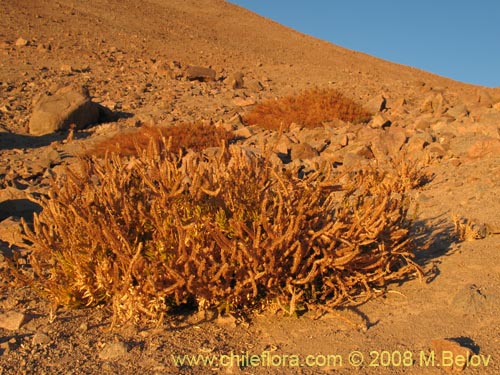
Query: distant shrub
(311, 109)
(230, 232)
(195, 136)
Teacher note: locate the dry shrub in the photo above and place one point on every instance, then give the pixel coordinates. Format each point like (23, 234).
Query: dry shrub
(230, 232)
(195, 136)
(311, 109)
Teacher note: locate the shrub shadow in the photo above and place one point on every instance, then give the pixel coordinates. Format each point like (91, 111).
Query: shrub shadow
(433, 241)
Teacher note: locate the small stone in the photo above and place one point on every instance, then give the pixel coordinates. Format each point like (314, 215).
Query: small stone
(113, 351)
(66, 68)
(243, 132)
(11, 231)
(302, 151)
(241, 102)
(237, 81)
(255, 86)
(484, 98)
(437, 149)
(344, 140)
(84, 327)
(12, 320)
(458, 111)
(8, 346)
(227, 321)
(422, 125)
(43, 47)
(377, 104)
(442, 347)
(389, 142)
(41, 339)
(380, 121)
(434, 103)
(21, 42)
(198, 73)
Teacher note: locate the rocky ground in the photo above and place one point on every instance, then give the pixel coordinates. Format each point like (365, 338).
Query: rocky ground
(135, 62)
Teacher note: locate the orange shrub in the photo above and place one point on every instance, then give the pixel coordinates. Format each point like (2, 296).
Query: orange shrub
(230, 232)
(195, 136)
(311, 109)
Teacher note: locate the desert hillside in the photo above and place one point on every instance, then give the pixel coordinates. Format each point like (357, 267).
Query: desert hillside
(84, 79)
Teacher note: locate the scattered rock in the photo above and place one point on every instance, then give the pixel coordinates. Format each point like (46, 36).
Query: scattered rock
(377, 104)
(380, 121)
(434, 103)
(422, 125)
(8, 346)
(113, 351)
(484, 99)
(41, 339)
(458, 111)
(21, 42)
(255, 86)
(198, 73)
(437, 149)
(283, 145)
(444, 348)
(44, 47)
(51, 157)
(399, 106)
(418, 142)
(302, 151)
(243, 132)
(237, 81)
(66, 68)
(66, 107)
(344, 140)
(356, 156)
(12, 320)
(319, 138)
(243, 102)
(227, 321)
(389, 142)
(11, 232)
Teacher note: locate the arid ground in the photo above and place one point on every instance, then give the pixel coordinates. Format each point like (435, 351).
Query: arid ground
(133, 58)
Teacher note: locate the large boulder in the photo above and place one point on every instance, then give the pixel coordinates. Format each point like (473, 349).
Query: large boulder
(67, 107)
